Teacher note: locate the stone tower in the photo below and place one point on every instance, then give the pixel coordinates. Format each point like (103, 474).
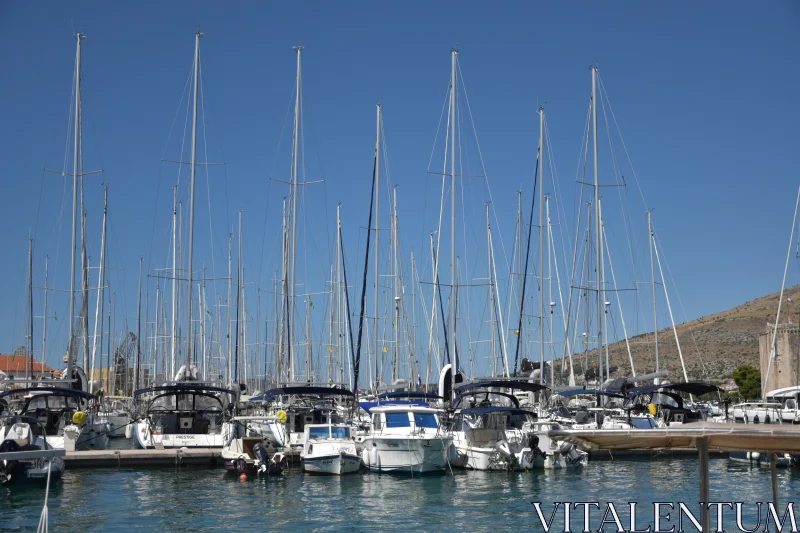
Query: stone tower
(785, 371)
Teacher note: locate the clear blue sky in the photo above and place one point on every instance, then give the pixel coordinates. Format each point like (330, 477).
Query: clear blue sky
(705, 95)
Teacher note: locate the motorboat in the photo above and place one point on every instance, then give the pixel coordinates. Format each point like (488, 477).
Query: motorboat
(25, 455)
(329, 449)
(493, 438)
(248, 452)
(291, 408)
(406, 439)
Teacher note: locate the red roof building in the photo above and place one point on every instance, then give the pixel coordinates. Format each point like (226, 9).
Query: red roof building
(17, 365)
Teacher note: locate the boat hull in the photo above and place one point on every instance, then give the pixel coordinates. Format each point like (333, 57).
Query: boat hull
(146, 439)
(405, 454)
(337, 465)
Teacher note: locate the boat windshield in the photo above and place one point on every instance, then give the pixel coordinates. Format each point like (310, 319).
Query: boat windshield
(643, 423)
(340, 433)
(397, 420)
(186, 402)
(326, 431)
(425, 420)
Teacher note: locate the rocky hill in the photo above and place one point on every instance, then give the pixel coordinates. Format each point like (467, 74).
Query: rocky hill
(713, 346)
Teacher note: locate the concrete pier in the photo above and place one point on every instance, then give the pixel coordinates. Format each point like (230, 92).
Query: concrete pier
(143, 458)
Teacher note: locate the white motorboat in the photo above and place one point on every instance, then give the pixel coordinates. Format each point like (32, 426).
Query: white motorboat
(24, 454)
(551, 454)
(329, 449)
(493, 438)
(406, 439)
(248, 452)
(291, 408)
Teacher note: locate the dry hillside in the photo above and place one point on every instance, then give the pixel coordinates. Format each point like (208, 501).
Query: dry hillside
(713, 346)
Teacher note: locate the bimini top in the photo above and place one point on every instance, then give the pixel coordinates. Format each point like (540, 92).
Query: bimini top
(410, 394)
(696, 388)
(306, 391)
(480, 411)
(464, 395)
(184, 387)
(590, 392)
(51, 390)
(503, 383)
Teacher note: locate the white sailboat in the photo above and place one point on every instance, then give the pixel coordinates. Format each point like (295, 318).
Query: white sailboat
(186, 412)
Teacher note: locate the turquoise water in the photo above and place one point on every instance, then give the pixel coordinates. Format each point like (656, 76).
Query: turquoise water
(205, 499)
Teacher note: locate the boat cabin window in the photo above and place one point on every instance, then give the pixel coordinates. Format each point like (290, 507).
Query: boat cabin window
(185, 402)
(425, 420)
(61, 402)
(37, 403)
(397, 420)
(791, 404)
(163, 403)
(377, 424)
(318, 433)
(340, 433)
(643, 423)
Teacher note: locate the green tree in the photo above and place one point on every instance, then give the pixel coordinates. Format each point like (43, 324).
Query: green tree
(748, 379)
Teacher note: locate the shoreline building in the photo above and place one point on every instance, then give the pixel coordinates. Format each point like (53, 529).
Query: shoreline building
(785, 368)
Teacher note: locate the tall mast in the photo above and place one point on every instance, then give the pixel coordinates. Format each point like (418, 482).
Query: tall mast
(70, 349)
(491, 291)
(452, 325)
(191, 202)
(229, 369)
(598, 233)
(293, 229)
(396, 283)
(309, 369)
(98, 316)
(174, 329)
(377, 237)
(137, 370)
(238, 303)
(653, 276)
(44, 311)
(284, 295)
(550, 280)
(338, 295)
(29, 336)
(541, 248)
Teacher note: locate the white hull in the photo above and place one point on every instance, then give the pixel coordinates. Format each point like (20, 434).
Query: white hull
(146, 439)
(88, 437)
(401, 454)
(336, 465)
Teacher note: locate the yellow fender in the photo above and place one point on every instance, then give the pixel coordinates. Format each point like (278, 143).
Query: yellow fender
(282, 416)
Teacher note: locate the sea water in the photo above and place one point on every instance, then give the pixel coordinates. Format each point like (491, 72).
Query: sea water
(199, 499)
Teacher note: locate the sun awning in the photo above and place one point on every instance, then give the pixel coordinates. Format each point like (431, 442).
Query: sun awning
(749, 437)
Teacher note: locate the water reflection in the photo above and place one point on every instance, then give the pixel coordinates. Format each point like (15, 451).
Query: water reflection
(204, 499)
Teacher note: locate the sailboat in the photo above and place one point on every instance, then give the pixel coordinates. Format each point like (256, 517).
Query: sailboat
(186, 412)
(64, 408)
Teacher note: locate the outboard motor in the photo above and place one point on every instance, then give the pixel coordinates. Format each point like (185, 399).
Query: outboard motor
(260, 452)
(568, 450)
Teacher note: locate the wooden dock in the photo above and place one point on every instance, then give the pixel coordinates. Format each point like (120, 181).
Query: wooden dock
(143, 458)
